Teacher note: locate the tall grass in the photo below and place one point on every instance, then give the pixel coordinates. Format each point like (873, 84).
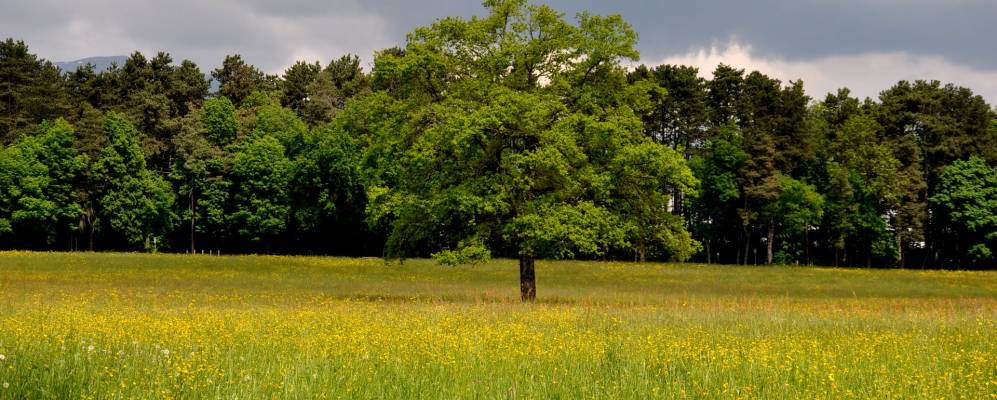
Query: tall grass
(76, 325)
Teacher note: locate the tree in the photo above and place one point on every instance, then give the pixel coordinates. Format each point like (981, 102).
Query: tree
(931, 127)
(218, 119)
(297, 79)
(187, 88)
(260, 175)
(861, 190)
(715, 208)
(337, 82)
(724, 94)
(967, 195)
(679, 114)
(799, 207)
(37, 181)
(135, 201)
(757, 115)
(517, 132)
(31, 90)
(237, 80)
(327, 194)
(200, 173)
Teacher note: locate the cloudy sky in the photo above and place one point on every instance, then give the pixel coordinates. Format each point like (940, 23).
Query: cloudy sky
(863, 44)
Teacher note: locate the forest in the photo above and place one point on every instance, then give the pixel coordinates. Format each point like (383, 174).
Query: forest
(522, 133)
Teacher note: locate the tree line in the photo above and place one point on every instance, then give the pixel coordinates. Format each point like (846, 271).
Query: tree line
(520, 133)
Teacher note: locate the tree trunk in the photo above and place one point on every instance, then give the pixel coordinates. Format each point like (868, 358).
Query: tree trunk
(806, 244)
(738, 245)
(193, 212)
(91, 237)
(771, 238)
(708, 255)
(527, 279)
(900, 252)
(747, 247)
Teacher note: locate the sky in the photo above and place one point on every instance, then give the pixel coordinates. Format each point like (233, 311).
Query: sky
(865, 45)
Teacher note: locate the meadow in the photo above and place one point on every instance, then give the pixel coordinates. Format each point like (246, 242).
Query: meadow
(135, 326)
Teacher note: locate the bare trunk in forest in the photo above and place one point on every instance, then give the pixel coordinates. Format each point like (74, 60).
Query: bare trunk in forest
(769, 242)
(527, 278)
(747, 248)
(738, 245)
(193, 212)
(806, 244)
(709, 258)
(900, 251)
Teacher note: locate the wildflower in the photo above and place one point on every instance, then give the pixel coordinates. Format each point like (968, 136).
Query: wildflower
(90, 348)
(6, 385)
(2, 357)
(166, 352)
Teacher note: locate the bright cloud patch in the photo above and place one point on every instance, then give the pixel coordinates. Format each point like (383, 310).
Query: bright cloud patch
(865, 74)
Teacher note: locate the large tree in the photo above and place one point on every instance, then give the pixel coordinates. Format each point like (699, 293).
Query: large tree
(967, 196)
(517, 132)
(31, 90)
(37, 174)
(200, 172)
(135, 202)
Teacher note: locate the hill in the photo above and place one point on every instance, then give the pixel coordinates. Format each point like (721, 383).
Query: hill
(99, 63)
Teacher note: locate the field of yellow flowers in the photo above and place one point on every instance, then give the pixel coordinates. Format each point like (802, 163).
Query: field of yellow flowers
(130, 326)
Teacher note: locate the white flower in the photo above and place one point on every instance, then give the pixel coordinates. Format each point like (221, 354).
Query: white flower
(90, 348)
(6, 385)
(166, 352)
(2, 357)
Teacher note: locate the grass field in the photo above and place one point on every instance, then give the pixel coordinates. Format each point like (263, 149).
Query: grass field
(76, 325)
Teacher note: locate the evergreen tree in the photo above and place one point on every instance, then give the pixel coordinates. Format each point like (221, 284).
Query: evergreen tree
(31, 90)
(237, 80)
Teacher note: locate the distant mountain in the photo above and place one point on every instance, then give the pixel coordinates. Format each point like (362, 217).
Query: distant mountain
(99, 63)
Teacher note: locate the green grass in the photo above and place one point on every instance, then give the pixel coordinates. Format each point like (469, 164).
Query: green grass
(79, 325)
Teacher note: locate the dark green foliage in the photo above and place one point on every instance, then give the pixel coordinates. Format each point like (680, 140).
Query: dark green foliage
(30, 90)
(967, 195)
(136, 202)
(237, 80)
(328, 91)
(295, 85)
